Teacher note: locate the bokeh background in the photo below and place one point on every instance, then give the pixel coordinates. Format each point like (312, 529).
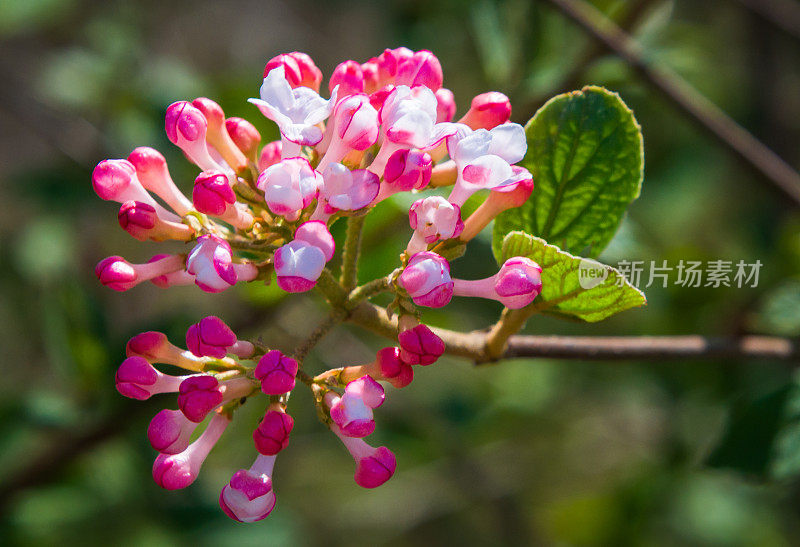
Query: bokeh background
(526, 452)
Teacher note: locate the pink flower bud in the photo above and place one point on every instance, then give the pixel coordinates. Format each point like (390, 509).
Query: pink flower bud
(213, 195)
(388, 63)
(289, 187)
(299, 68)
(137, 379)
(488, 110)
(349, 77)
(156, 348)
(248, 497)
(355, 126)
(176, 471)
(217, 134)
(445, 105)
(371, 76)
(245, 136)
(512, 193)
(298, 265)
(186, 128)
(210, 337)
(374, 466)
(432, 219)
(142, 222)
(198, 395)
(116, 180)
(316, 233)
(427, 280)
(272, 434)
(420, 346)
(211, 264)
(406, 170)
(276, 372)
(387, 367)
(117, 273)
(345, 190)
(422, 69)
(352, 412)
(152, 171)
(170, 431)
(515, 286)
(270, 155)
(201, 393)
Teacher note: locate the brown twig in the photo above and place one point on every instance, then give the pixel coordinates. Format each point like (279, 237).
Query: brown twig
(683, 96)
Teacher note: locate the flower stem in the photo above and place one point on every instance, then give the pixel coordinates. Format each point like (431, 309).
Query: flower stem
(352, 248)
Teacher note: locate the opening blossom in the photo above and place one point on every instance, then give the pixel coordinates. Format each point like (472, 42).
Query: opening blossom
(263, 212)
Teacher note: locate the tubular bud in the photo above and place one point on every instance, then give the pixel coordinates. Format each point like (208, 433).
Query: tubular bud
(276, 372)
(245, 136)
(142, 222)
(426, 278)
(153, 173)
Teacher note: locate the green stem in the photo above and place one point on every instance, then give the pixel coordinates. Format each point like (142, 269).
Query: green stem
(510, 323)
(336, 316)
(352, 248)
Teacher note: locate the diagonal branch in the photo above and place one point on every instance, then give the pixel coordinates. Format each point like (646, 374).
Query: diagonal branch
(684, 97)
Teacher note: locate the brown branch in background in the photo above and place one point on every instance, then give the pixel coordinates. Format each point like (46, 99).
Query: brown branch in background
(474, 345)
(784, 14)
(683, 96)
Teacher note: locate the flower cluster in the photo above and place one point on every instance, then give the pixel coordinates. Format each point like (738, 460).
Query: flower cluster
(386, 127)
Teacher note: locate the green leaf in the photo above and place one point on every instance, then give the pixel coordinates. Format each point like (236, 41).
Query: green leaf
(586, 154)
(573, 286)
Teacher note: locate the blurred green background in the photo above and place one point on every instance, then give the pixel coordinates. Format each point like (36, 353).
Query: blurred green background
(526, 452)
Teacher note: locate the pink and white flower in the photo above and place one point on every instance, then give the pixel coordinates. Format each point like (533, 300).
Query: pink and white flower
(211, 262)
(405, 171)
(316, 233)
(421, 69)
(483, 158)
(515, 286)
(270, 155)
(352, 412)
(289, 187)
(432, 218)
(345, 190)
(249, 497)
(296, 111)
(175, 471)
(407, 118)
(427, 280)
(298, 265)
(354, 126)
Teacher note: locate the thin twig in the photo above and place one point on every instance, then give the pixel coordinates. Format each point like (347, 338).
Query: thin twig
(683, 96)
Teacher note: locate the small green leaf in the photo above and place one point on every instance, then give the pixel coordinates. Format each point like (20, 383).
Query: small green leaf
(572, 286)
(586, 154)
